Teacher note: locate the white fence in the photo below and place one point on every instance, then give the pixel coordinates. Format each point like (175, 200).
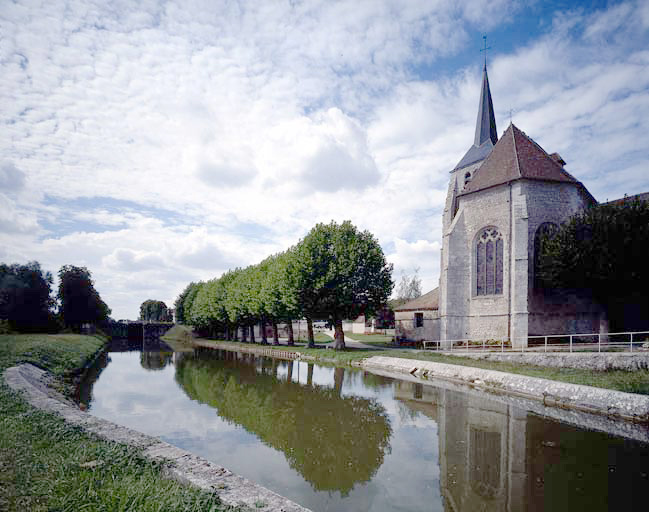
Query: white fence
(591, 342)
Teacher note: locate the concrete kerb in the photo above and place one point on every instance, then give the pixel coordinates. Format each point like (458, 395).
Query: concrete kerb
(180, 465)
(605, 402)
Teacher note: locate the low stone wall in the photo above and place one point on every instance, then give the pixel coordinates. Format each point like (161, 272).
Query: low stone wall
(582, 360)
(181, 465)
(614, 404)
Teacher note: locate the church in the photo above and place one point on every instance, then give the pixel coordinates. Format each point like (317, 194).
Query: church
(503, 196)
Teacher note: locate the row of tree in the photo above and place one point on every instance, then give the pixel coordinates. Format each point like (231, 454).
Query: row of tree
(155, 311)
(27, 303)
(336, 272)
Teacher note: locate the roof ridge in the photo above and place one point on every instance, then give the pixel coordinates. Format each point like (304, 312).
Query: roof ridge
(545, 153)
(518, 164)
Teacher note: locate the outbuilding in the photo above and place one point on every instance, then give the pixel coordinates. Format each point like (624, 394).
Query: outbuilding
(418, 319)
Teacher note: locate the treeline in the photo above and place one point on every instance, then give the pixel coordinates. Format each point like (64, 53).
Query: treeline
(27, 303)
(335, 272)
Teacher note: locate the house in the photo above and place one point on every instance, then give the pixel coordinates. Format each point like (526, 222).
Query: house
(418, 319)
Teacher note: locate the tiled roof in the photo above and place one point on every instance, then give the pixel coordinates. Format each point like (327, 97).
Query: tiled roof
(428, 300)
(629, 199)
(516, 156)
(475, 154)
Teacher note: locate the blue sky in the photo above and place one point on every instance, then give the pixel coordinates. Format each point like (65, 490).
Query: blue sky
(158, 143)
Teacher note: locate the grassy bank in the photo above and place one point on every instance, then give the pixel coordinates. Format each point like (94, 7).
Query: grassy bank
(629, 382)
(47, 465)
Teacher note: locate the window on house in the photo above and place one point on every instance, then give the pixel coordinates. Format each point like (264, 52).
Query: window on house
(419, 319)
(467, 178)
(544, 232)
(489, 262)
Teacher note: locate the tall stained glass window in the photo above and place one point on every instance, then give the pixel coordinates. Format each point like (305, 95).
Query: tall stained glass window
(489, 262)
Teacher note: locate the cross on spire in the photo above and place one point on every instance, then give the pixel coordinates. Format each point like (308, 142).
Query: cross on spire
(485, 50)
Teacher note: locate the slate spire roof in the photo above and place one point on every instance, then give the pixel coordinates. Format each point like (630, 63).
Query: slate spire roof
(516, 156)
(486, 134)
(485, 128)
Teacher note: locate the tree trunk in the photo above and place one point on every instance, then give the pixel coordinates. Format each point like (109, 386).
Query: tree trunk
(244, 334)
(235, 333)
(262, 329)
(275, 333)
(309, 328)
(252, 333)
(339, 335)
(339, 375)
(291, 340)
(309, 375)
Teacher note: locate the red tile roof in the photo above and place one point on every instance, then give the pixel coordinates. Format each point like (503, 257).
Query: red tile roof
(516, 156)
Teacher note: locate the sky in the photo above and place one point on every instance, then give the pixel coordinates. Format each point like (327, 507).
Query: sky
(159, 143)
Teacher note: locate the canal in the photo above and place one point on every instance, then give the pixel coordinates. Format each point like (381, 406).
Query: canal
(341, 439)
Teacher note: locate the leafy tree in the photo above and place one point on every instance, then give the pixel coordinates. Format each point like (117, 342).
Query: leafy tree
(80, 302)
(154, 311)
(409, 287)
(279, 293)
(342, 274)
(189, 301)
(179, 303)
(603, 252)
(25, 301)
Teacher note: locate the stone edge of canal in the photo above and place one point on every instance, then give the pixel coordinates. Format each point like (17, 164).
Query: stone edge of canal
(612, 404)
(604, 410)
(577, 404)
(181, 465)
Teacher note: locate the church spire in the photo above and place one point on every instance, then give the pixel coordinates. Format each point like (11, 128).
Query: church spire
(486, 124)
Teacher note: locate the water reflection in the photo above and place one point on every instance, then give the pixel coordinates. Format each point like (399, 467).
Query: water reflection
(333, 441)
(155, 360)
(343, 439)
(497, 457)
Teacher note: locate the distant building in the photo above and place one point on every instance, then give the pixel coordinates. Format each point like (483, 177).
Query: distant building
(418, 319)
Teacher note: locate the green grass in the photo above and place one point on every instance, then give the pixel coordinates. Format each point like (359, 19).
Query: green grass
(318, 337)
(368, 338)
(383, 340)
(630, 382)
(48, 465)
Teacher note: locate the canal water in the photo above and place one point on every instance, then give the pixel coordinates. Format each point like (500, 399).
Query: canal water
(340, 439)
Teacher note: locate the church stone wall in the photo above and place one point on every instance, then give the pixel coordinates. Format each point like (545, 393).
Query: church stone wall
(555, 313)
(489, 314)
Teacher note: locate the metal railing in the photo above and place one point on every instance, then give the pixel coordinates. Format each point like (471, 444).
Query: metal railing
(590, 342)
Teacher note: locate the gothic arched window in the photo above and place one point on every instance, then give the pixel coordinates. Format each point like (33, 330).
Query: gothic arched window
(545, 231)
(489, 262)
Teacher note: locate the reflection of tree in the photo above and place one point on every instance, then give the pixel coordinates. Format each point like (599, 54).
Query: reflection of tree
(155, 360)
(332, 442)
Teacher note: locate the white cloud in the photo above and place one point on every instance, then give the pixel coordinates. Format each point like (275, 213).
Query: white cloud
(244, 124)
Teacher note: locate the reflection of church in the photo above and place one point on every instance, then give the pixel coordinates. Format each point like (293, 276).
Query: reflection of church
(497, 457)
